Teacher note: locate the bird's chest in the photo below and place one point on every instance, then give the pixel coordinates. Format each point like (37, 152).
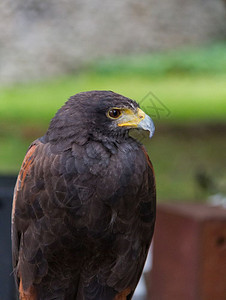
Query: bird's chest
(105, 176)
(106, 188)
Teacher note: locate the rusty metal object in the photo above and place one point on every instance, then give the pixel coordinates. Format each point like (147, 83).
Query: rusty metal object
(189, 260)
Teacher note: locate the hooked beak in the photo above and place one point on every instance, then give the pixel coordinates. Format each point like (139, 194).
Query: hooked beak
(147, 124)
(137, 120)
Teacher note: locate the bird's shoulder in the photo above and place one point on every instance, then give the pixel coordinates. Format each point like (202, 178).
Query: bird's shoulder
(94, 169)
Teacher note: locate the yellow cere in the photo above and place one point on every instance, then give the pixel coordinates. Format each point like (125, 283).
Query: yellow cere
(130, 118)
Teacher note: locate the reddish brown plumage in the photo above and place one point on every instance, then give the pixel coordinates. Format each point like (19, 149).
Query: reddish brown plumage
(26, 166)
(29, 294)
(123, 295)
(24, 171)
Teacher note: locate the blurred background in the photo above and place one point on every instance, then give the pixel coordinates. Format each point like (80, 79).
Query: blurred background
(168, 55)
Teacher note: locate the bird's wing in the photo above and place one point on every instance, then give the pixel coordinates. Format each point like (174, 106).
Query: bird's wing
(39, 220)
(24, 172)
(49, 220)
(19, 215)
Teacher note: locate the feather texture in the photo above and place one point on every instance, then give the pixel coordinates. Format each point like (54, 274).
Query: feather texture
(84, 209)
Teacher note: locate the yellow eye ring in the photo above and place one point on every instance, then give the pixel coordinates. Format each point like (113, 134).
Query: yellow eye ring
(114, 113)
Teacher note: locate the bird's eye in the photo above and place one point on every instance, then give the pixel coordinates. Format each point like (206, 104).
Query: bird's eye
(114, 113)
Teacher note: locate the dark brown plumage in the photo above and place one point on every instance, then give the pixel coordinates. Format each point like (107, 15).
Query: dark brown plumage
(84, 203)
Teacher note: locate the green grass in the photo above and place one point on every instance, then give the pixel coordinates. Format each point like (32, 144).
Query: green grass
(188, 98)
(209, 59)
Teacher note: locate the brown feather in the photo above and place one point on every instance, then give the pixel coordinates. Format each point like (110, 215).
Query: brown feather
(29, 294)
(84, 207)
(123, 295)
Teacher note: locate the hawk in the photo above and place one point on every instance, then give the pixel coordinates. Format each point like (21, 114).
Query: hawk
(83, 211)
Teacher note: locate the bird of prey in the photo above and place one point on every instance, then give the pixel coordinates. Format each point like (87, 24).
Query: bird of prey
(84, 203)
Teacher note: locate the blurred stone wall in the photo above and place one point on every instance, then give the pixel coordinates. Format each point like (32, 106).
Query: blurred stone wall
(41, 38)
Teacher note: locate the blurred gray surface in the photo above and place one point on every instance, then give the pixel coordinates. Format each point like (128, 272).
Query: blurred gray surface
(45, 38)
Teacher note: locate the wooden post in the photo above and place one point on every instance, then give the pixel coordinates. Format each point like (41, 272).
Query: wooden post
(189, 255)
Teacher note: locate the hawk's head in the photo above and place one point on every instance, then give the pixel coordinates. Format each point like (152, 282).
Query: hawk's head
(98, 115)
